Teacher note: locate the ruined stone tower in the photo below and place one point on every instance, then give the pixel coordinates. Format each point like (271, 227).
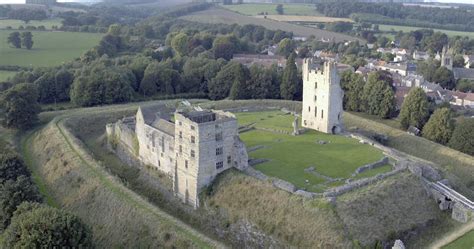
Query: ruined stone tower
(322, 97)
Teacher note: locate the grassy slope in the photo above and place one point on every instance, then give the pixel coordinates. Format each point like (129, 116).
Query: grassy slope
(48, 24)
(215, 15)
(4, 75)
(49, 49)
(450, 33)
(459, 167)
(466, 241)
(120, 218)
(288, 9)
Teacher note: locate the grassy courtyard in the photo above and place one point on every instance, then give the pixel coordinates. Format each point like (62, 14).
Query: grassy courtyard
(253, 9)
(49, 49)
(290, 157)
(466, 241)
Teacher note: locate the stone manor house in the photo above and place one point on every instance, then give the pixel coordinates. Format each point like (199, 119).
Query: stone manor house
(192, 150)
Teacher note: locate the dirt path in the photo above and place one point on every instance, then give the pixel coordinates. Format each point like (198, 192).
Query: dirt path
(453, 236)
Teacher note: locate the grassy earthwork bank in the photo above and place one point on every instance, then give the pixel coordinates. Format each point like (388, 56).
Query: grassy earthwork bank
(51, 48)
(253, 9)
(4, 75)
(450, 33)
(15, 24)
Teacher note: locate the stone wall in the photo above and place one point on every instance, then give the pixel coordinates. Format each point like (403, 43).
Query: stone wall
(374, 165)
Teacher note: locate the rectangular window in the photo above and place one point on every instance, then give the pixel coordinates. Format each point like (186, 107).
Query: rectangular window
(180, 149)
(193, 139)
(192, 127)
(315, 98)
(163, 144)
(219, 165)
(186, 163)
(322, 113)
(219, 136)
(309, 108)
(180, 134)
(229, 159)
(219, 151)
(315, 112)
(180, 123)
(315, 85)
(192, 153)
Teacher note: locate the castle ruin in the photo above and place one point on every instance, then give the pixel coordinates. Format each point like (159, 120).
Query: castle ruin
(192, 150)
(322, 97)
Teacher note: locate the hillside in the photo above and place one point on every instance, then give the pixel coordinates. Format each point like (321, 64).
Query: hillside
(219, 15)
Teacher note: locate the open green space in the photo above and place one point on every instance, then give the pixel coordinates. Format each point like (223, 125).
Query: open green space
(253, 9)
(15, 24)
(289, 157)
(4, 75)
(464, 242)
(450, 33)
(49, 49)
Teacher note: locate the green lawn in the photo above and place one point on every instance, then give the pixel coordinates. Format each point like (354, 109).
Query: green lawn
(253, 9)
(49, 23)
(465, 242)
(6, 74)
(49, 49)
(289, 156)
(408, 29)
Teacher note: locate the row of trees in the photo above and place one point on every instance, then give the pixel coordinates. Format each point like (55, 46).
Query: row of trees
(24, 39)
(25, 222)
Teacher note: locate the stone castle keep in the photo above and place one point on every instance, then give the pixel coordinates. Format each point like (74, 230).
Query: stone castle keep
(192, 150)
(322, 97)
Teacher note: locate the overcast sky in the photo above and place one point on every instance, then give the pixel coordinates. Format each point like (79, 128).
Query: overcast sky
(444, 1)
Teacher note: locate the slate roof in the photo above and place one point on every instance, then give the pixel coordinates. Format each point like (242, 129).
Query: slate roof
(463, 73)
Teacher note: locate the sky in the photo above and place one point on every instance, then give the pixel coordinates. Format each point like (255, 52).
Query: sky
(442, 1)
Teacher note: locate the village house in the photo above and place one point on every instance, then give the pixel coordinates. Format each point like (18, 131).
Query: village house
(462, 99)
(260, 59)
(420, 55)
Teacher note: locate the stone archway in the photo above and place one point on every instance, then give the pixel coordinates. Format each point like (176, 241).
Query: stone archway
(336, 129)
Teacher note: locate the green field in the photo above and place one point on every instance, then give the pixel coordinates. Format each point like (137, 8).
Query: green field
(49, 49)
(288, 9)
(465, 242)
(48, 24)
(289, 156)
(6, 74)
(450, 33)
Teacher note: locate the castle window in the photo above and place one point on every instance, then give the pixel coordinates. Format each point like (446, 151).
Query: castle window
(180, 149)
(315, 98)
(163, 144)
(180, 134)
(186, 163)
(192, 153)
(180, 123)
(219, 151)
(159, 163)
(315, 85)
(309, 108)
(322, 113)
(229, 160)
(219, 165)
(193, 139)
(219, 136)
(192, 127)
(315, 111)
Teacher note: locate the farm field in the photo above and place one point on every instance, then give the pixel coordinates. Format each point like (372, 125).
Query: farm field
(466, 241)
(48, 24)
(289, 157)
(297, 18)
(4, 75)
(253, 9)
(408, 29)
(215, 16)
(49, 49)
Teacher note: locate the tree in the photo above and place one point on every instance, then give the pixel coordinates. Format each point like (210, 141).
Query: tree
(445, 78)
(20, 106)
(415, 109)
(279, 9)
(219, 87)
(439, 127)
(290, 84)
(286, 47)
(14, 39)
(27, 40)
(353, 86)
(458, 61)
(465, 85)
(264, 83)
(180, 44)
(11, 166)
(225, 46)
(36, 225)
(150, 83)
(463, 137)
(12, 194)
(378, 97)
